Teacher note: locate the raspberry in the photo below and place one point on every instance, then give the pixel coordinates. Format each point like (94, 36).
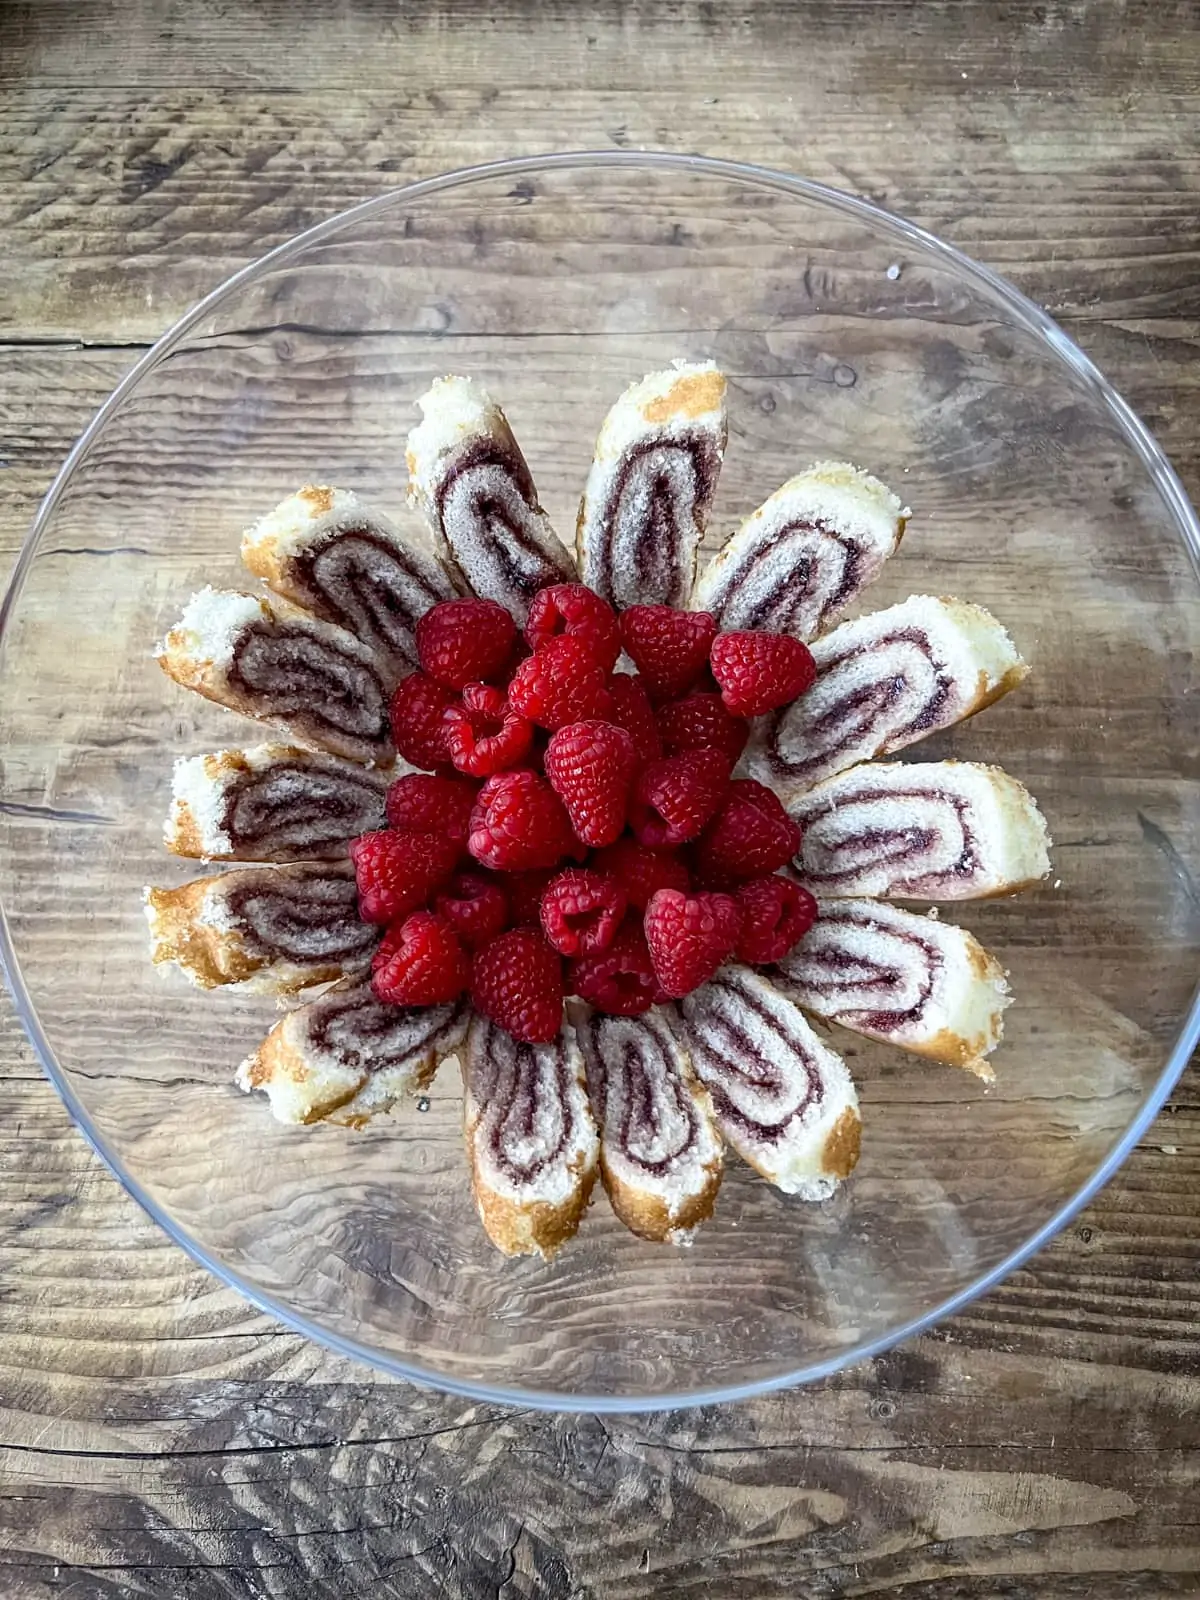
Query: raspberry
(418, 803)
(759, 671)
(427, 966)
(577, 611)
(519, 823)
(465, 641)
(517, 982)
(675, 796)
(689, 936)
(525, 891)
(400, 872)
(701, 722)
(562, 683)
(581, 911)
(631, 710)
(641, 871)
(776, 914)
(751, 835)
(591, 766)
(417, 708)
(668, 647)
(485, 735)
(475, 906)
(388, 946)
(620, 979)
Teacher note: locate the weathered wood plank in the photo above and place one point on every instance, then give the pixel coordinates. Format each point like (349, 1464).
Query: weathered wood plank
(1061, 149)
(142, 204)
(49, 393)
(1119, 1287)
(67, 42)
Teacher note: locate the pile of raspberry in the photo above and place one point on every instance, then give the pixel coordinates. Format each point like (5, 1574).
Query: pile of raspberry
(576, 830)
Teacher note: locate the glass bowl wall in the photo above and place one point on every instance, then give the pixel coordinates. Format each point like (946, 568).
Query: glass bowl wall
(845, 334)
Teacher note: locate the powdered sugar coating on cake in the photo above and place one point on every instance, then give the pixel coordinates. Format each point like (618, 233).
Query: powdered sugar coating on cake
(347, 1057)
(272, 802)
(274, 662)
(274, 929)
(323, 549)
(469, 479)
(660, 1153)
(782, 1098)
(885, 681)
(908, 980)
(805, 555)
(938, 830)
(650, 487)
(531, 1137)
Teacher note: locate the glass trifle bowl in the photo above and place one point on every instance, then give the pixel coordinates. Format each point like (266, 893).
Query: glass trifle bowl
(846, 334)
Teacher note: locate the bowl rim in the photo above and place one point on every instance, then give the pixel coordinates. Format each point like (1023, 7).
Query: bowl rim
(1026, 313)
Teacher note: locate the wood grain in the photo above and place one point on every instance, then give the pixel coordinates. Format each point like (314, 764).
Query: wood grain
(159, 1436)
(142, 163)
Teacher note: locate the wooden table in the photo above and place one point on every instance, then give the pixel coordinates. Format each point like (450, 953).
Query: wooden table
(160, 1438)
